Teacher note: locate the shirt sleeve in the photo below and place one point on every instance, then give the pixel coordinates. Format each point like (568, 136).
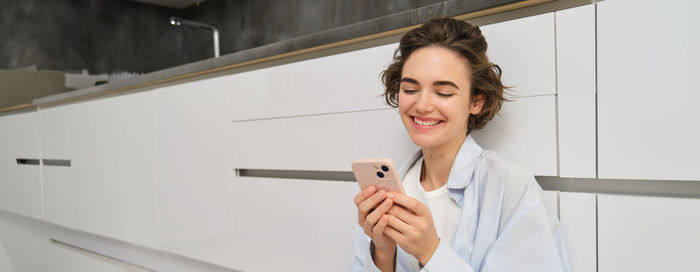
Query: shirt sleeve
(531, 241)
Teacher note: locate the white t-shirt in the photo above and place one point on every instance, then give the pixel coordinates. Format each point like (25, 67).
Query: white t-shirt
(445, 211)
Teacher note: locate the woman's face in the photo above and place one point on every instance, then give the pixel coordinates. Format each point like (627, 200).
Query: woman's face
(434, 97)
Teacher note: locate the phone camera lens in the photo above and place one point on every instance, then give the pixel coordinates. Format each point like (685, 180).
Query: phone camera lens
(385, 168)
(380, 174)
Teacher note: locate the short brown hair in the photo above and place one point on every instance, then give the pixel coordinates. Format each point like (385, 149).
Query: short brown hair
(467, 41)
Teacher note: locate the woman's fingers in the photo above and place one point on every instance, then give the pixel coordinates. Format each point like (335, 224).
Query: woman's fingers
(364, 194)
(411, 204)
(366, 207)
(375, 215)
(402, 214)
(398, 224)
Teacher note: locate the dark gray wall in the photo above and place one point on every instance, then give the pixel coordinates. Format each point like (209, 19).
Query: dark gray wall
(99, 35)
(105, 36)
(250, 23)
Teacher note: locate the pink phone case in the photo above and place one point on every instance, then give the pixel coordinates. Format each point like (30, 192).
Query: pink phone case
(378, 172)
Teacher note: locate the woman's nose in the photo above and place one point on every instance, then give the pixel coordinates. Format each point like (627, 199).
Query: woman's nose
(424, 103)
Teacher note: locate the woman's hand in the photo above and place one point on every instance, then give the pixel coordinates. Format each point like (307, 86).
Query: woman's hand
(372, 207)
(411, 226)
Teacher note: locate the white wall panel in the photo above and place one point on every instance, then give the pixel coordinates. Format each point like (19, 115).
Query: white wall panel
(524, 48)
(323, 142)
(193, 166)
(20, 185)
(338, 83)
(576, 87)
(647, 89)
(525, 130)
(293, 225)
(638, 233)
(578, 223)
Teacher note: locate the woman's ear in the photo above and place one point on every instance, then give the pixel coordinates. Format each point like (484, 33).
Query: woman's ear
(477, 104)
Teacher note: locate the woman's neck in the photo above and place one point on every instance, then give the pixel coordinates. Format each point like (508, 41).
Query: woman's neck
(437, 163)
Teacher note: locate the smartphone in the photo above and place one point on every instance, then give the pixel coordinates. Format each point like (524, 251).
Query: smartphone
(378, 172)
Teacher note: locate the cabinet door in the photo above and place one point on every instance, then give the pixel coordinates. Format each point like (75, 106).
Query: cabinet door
(112, 188)
(524, 48)
(338, 83)
(20, 184)
(576, 92)
(525, 130)
(638, 233)
(193, 166)
(323, 142)
(55, 125)
(647, 90)
(578, 217)
(293, 225)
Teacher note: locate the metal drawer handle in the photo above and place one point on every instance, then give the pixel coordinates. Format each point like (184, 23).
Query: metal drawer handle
(50, 162)
(25, 161)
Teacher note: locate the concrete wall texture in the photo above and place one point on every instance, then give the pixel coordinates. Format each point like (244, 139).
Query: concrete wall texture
(107, 36)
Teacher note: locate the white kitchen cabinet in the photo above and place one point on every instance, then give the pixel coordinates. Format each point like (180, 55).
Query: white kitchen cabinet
(647, 90)
(293, 225)
(525, 130)
(338, 83)
(524, 49)
(578, 217)
(321, 142)
(55, 125)
(110, 188)
(20, 184)
(193, 170)
(639, 233)
(576, 90)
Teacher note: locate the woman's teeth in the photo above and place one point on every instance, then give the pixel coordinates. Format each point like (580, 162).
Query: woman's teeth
(426, 123)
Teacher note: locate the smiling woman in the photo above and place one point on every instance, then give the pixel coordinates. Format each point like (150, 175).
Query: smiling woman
(465, 208)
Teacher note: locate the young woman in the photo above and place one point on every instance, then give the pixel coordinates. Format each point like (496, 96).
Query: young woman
(465, 208)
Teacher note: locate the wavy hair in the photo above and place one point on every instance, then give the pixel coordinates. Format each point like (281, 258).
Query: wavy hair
(467, 41)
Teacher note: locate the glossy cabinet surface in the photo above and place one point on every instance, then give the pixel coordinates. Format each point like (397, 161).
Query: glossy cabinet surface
(110, 188)
(293, 225)
(342, 82)
(576, 91)
(578, 215)
(524, 49)
(322, 142)
(193, 170)
(20, 184)
(647, 90)
(525, 131)
(639, 233)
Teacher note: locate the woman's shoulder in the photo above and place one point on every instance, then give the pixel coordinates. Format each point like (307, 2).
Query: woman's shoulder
(499, 172)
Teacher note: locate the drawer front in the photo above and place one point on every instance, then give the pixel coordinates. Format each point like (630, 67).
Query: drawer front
(338, 83)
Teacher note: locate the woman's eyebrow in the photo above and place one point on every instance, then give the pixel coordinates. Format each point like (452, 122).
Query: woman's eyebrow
(409, 80)
(445, 83)
(436, 83)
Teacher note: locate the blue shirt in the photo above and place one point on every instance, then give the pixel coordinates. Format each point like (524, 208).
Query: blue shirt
(504, 225)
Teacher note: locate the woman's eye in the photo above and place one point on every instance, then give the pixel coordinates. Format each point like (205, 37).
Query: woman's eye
(445, 94)
(409, 91)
